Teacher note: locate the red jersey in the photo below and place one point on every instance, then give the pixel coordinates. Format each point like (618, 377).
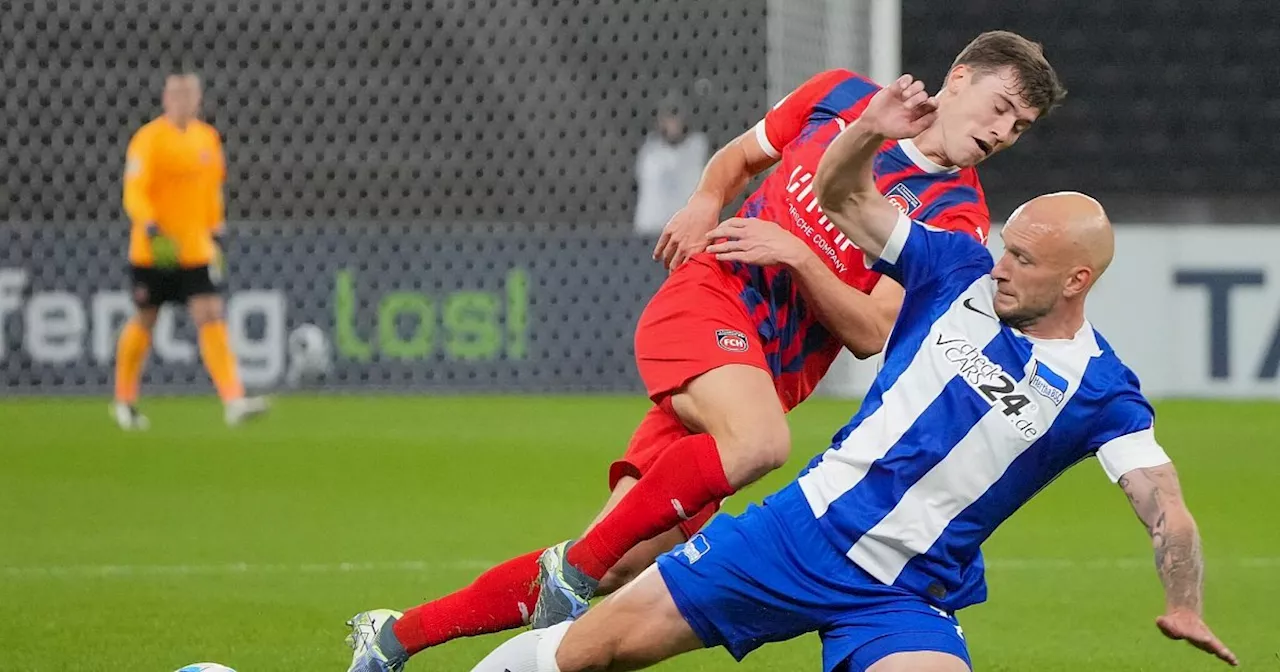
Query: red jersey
(798, 349)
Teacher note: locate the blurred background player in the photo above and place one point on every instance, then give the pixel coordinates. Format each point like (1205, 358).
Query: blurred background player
(738, 336)
(173, 180)
(668, 165)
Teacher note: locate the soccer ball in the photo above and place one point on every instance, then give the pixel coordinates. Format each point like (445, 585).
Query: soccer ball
(309, 355)
(206, 667)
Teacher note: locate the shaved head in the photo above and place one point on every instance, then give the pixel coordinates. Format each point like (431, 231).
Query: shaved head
(1074, 221)
(1056, 248)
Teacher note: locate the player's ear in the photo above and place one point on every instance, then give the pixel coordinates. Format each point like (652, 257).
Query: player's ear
(958, 78)
(1078, 281)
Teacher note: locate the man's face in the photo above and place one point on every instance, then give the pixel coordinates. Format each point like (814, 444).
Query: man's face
(182, 96)
(984, 115)
(1029, 276)
(671, 126)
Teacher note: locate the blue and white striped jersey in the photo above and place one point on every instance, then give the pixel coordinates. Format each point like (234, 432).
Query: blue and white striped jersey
(967, 420)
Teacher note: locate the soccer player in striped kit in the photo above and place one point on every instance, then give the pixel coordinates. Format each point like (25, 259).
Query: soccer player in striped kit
(994, 383)
(740, 334)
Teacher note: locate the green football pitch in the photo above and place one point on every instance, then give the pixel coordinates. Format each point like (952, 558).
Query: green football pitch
(250, 547)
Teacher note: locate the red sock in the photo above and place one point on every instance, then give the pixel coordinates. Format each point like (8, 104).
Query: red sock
(500, 599)
(687, 477)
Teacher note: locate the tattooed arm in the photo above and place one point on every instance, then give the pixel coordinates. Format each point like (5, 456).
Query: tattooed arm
(1157, 499)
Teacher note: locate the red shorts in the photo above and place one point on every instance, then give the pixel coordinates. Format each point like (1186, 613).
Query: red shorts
(695, 323)
(657, 431)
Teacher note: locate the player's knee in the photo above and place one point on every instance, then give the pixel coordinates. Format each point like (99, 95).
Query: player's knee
(756, 452)
(146, 317)
(205, 310)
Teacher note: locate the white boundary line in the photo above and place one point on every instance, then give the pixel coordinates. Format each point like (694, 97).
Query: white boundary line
(249, 568)
(238, 568)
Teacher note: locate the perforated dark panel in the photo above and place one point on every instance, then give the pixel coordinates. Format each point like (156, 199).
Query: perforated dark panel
(374, 110)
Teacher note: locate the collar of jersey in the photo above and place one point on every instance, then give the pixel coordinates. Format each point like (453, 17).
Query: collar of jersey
(923, 162)
(1083, 338)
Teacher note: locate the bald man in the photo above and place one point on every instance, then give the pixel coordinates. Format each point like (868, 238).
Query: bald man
(994, 383)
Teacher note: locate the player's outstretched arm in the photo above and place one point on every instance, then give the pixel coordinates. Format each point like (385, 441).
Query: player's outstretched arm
(845, 183)
(1156, 497)
(724, 177)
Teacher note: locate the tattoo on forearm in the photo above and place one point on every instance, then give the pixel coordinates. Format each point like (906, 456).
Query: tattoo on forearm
(1179, 563)
(1154, 495)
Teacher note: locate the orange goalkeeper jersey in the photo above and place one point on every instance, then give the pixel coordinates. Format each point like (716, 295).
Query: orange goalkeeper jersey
(173, 178)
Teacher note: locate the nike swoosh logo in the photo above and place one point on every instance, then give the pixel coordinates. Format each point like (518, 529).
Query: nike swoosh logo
(968, 304)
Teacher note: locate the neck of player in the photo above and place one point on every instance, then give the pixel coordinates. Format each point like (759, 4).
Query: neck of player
(930, 143)
(1062, 323)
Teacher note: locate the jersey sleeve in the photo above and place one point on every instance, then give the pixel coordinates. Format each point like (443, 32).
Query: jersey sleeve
(1124, 436)
(137, 179)
(783, 123)
(917, 254)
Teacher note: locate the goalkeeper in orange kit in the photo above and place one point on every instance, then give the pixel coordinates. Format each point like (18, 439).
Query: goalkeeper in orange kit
(173, 195)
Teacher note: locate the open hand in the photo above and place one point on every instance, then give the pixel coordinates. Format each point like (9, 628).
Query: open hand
(901, 110)
(1188, 626)
(755, 241)
(683, 236)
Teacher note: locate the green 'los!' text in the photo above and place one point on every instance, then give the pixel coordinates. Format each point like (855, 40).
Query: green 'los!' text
(471, 325)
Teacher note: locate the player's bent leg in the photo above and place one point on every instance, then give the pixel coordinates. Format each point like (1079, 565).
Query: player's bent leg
(634, 628)
(500, 599)
(738, 406)
(919, 661)
(638, 558)
(620, 490)
(637, 627)
(746, 436)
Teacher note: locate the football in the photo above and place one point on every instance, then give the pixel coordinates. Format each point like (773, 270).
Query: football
(205, 667)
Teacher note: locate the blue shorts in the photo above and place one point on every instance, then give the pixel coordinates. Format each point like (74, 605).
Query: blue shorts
(770, 575)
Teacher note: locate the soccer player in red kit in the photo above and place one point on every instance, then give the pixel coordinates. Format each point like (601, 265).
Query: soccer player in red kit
(741, 333)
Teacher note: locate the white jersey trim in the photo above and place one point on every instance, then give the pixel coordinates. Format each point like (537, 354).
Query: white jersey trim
(897, 240)
(923, 162)
(1138, 450)
(762, 137)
